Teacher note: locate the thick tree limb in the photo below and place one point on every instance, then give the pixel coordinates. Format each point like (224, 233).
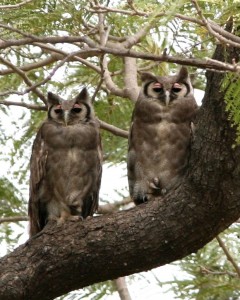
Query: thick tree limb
(152, 234)
(130, 78)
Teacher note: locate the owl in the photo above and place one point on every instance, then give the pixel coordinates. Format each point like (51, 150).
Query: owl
(65, 165)
(160, 134)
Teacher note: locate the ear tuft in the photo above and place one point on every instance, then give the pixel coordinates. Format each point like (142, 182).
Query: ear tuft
(146, 76)
(83, 96)
(183, 73)
(53, 99)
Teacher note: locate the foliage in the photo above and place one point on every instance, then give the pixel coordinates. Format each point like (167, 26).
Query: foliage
(208, 273)
(231, 84)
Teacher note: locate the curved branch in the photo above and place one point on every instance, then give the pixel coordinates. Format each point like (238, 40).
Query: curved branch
(113, 129)
(47, 61)
(23, 104)
(112, 87)
(25, 79)
(206, 63)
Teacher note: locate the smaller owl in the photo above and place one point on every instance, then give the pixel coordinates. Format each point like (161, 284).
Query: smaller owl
(160, 134)
(65, 165)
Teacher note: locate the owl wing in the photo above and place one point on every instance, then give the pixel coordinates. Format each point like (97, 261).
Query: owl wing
(37, 171)
(90, 205)
(131, 159)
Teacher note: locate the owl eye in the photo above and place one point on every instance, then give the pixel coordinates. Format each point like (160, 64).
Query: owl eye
(176, 88)
(157, 87)
(58, 109)
(76, 108)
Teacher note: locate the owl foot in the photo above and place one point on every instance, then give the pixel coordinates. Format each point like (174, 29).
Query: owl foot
(66, 217)
(140, 199)
(155, 184)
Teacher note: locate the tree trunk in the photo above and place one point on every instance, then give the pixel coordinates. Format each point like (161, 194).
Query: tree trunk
(77, 254)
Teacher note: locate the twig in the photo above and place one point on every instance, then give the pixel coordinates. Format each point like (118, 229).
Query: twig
(228, 255)
(23, 104)
(12, 6)
(49, 60)
(134, 12)
(25, 79)
(205, 270)
(97, 90)
(217, 31)
(223, 32)
(13, 219)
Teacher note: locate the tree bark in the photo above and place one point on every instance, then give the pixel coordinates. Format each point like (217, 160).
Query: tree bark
(77, 254)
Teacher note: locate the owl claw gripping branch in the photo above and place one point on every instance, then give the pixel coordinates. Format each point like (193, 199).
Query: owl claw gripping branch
(160, 134)
(65, 166)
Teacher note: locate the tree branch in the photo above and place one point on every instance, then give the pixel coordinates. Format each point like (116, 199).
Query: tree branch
(216, 31)
(113, 129)
(206, 63)
(14, 6)
(47, 61)
(130, 78)
(23, 104)
(228, 255)
(13, 219)
(121, 287)
(25, 79)
(136, 12)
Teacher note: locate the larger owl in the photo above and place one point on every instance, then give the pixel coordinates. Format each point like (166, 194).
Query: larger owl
(65, 165)
(160, 134)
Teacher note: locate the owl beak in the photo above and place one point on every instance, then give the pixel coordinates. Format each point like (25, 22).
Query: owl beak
(66, 117)
(167, 99)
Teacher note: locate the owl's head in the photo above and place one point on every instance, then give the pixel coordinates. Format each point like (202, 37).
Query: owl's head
(167, 89)
(70, 112)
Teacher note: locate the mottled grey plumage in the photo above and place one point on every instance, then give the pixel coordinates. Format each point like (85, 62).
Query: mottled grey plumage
(160, 134)
(65, 166)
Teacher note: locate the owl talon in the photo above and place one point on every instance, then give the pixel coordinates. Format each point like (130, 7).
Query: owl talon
(141, 199)
(155, 184)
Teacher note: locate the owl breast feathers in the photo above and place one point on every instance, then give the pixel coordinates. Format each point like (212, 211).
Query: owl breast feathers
(65, 165)
(160, 134)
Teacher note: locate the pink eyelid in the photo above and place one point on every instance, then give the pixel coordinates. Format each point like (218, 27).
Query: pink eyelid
(76, 106)
(177, 85)
(157, 85)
